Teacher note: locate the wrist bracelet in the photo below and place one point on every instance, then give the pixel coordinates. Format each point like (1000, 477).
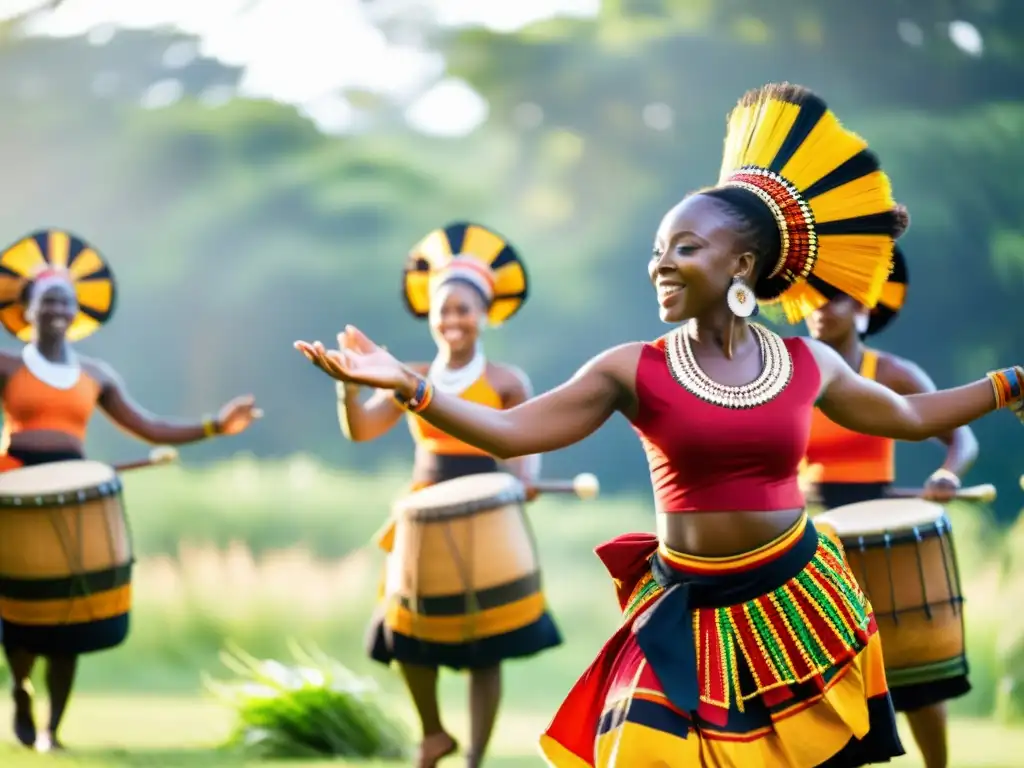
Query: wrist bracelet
(1007, 386)
(209, 426)
(421, 397)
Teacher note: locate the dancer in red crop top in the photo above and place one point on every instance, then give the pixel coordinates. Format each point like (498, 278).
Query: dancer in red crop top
(55, 289)
(459, 278)
(844, 467)
(745, 640)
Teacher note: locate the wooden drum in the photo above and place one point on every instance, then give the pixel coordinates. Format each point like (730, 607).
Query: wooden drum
(902, 555)
(464, 565)
(65, 556)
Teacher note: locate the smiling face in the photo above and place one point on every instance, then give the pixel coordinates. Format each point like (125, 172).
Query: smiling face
(697, 252)
(456, 314)
(52, 311)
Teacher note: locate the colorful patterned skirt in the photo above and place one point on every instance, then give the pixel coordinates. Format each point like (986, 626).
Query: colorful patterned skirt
(770, 658)
(463, 630)
(918, 685)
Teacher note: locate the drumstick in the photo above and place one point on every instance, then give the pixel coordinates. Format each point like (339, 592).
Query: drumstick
(162, 454)
(585, 485)
(983, 493)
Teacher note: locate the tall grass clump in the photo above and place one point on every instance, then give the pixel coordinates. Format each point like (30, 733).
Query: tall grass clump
(316, 707)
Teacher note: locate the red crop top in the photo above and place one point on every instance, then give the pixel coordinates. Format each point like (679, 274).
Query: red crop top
(708, 458)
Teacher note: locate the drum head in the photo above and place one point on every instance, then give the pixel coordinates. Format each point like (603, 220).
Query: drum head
(55, 478)
(867, 517)
(478, 491)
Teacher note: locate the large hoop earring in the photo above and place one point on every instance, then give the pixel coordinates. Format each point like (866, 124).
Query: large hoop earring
(740, 298)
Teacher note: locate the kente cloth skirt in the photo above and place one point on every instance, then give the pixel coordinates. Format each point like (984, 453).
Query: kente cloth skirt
(912, 687)
(770, 658)
(59, 639)
(507, 622)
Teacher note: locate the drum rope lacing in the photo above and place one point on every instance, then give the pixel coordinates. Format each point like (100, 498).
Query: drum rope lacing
(943, 528)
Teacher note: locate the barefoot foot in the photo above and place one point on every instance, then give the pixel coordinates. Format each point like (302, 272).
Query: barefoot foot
(434, 748)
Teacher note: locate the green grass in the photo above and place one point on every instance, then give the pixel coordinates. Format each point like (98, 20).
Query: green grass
(259, 553)
(181, 732)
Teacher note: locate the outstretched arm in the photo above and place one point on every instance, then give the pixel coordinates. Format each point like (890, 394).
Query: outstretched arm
(554, 420)
(870, 408)
(126, 413)
(548, 422)
(906, 378)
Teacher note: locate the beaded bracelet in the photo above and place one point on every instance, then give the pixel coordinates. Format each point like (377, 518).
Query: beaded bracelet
(209, 426)
(1007, 386)
(421, 397)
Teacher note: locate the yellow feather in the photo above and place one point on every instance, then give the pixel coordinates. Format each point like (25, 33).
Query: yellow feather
(775, 120)
(800, 300)
(893, 295)
(826, 147)
(865, 196)
(757, 135)
(857, 265)
(737, 134)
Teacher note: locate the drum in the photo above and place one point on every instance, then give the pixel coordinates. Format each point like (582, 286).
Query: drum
(901, 553)
(65, 557)
(464, 565)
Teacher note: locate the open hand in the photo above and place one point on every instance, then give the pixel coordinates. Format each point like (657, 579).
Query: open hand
(236, 416)
(357, 360)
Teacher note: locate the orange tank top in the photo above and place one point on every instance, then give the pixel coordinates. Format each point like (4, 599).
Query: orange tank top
(838, 455)
(30, 404)
(432, 439)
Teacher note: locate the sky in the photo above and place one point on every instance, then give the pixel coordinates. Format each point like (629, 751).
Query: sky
(302, 52)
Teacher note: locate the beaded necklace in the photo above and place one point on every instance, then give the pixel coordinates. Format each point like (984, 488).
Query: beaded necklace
(774, 376)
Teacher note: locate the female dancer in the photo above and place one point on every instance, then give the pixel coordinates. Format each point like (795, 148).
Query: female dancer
(462, 278)
(843, 467)
(55, 289)
(746, 640)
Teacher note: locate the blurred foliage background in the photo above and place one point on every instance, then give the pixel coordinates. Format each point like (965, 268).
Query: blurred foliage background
(236, 224)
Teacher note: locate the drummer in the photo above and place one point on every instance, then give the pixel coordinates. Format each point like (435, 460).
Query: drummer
(844, 467)
(462, 278)
(56, 289)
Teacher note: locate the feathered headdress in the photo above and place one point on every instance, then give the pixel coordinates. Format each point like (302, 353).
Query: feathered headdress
(473, 254)
(826, 191)
(48, 256)
(894, 295)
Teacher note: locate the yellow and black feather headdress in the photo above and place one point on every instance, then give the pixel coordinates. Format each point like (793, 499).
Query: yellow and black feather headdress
(55, 253)
(825, 189)
(472, 253)
(894, 295)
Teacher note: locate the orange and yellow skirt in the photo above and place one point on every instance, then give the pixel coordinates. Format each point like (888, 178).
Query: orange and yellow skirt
(770, 658)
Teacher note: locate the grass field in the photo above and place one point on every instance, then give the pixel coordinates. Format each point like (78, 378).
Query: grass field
(262, 553)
